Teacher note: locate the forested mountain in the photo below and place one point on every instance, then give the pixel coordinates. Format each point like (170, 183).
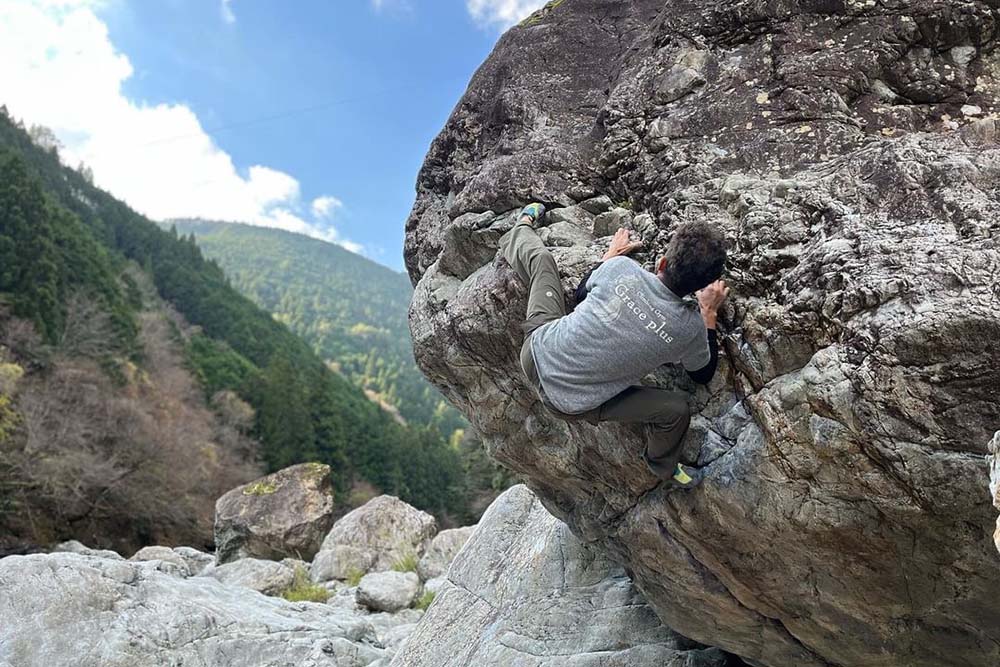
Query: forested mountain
(73, 261)
(352, 310)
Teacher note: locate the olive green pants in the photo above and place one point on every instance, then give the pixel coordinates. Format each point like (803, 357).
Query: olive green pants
(666, 412)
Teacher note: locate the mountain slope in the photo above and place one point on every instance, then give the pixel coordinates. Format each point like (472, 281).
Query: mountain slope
(302, 410)
(350, 309)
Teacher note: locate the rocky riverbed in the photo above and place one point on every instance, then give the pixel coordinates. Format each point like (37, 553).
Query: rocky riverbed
(518, 588)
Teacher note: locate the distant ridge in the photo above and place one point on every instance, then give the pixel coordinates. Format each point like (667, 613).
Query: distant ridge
(352, 310)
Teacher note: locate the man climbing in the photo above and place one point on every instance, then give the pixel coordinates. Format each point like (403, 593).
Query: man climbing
(628, 322)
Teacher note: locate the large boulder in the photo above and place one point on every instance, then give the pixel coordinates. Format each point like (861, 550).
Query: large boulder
(69, 609)
(285, 514)
(848, 150)
(382, 533)
(388, 591)
(526, 592)
(442, 550)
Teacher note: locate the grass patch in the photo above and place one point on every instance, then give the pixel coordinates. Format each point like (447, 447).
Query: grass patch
(304, 590)
(354, 577)
(407, 563)
(424, 600)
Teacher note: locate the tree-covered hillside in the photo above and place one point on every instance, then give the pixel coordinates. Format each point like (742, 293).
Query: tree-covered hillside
(64, 241)
(352, 310)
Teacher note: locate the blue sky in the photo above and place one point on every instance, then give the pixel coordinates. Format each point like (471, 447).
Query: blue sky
(311, 116)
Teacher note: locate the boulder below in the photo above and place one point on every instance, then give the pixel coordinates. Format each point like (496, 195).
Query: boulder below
(526, 592)
(380, 534)
(64, 608)
(285, 514)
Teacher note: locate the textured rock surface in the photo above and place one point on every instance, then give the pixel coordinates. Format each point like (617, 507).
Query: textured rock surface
(196, 561)
(848, 150)
(165, 555)
(526, 592)
(69, 609)
(285, 514)
(388, 591)
(263, 576)
(373, 538)
(342, 561)
(75, 547)
(442, 550)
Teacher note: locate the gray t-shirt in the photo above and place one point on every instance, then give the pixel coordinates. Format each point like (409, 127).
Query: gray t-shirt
(629, 324)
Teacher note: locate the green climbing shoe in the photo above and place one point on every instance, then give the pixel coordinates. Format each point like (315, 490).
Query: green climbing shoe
(534, 211)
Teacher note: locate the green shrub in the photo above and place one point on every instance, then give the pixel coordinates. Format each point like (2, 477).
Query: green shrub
(304, 590)
(424, 601)
(407, 563)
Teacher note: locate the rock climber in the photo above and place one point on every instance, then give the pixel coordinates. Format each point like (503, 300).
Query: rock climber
(588, 364)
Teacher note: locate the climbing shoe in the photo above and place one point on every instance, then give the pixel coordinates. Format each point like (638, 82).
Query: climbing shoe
(534, 211)
(685, 478)
(678, 477)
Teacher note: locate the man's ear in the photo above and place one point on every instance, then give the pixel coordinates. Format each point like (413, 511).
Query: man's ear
(661, 265)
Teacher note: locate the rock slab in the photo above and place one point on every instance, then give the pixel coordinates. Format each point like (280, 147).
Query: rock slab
(285, 514)
(71, 609)
(524, 591)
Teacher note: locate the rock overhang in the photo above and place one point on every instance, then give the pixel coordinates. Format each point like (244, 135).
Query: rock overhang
(845, 148)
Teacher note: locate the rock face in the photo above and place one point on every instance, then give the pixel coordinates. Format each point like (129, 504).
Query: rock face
(524, 591)
(64, 608)
(373, 538)
(848, 151)
(285, 514)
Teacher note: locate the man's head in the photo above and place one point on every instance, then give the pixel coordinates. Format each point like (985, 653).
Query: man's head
(694, 258)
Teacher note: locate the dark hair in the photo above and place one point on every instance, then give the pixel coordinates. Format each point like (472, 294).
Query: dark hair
(695, 257)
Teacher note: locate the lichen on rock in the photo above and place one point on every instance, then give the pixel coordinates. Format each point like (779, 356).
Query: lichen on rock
(845, 518)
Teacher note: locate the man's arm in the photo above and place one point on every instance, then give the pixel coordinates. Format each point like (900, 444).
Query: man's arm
(710, 299)
(621, 245)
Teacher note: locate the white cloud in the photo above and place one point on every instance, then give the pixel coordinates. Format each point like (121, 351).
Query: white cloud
(324, 207)
(502, 13)
(61, 70)
(227, 12)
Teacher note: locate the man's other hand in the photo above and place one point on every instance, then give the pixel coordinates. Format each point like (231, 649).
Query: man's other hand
(713, 296)
(621, 244)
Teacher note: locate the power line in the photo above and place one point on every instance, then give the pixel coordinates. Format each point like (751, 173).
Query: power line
(266, 119)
